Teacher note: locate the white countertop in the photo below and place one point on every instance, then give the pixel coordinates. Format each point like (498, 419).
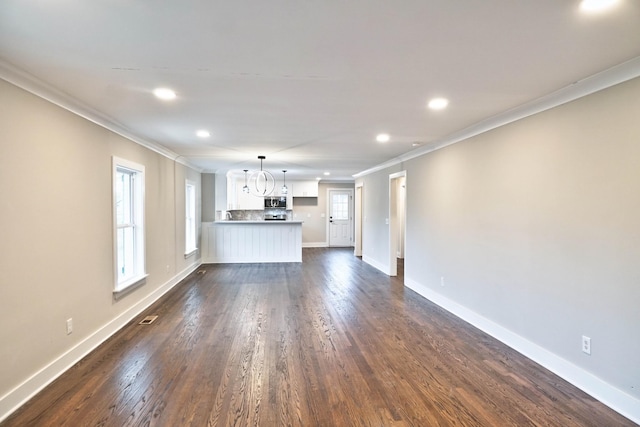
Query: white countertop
(261, 221)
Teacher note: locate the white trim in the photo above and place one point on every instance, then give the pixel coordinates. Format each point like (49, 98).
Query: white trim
(139, 201)
(242, 260)
(393, 223)
(129, 285)
(614, 398)
(615, 75)
(32, 385)
(190, 254)
(358, 205)
(191, 249)
(397, 175)
(40, 88)
(372, 262)
(315, 245)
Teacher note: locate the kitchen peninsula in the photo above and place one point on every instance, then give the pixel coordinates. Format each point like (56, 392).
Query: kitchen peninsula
(245, 228)
(261, 241)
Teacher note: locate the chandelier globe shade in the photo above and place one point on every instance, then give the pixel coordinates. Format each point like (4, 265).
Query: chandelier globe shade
(284, 190)
(245, 189)
(261, 183)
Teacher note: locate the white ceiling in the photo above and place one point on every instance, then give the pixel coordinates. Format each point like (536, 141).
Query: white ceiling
(309, 84)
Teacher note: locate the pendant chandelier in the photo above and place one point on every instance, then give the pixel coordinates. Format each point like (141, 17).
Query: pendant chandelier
(245, 189)
(284, 190)
(261, 183)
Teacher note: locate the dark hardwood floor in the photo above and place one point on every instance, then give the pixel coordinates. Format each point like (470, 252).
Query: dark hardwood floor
(329, 342)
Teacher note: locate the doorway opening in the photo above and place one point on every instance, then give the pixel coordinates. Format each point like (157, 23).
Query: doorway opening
(397, 221)
(358, 220)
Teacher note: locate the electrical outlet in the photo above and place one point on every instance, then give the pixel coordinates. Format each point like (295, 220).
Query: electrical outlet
(442, 281)
(69, 326)
(586, 345)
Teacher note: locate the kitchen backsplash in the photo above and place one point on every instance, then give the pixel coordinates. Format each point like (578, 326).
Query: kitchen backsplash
(257, 215)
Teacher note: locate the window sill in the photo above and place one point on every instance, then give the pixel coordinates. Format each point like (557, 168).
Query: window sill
(128, 286)
(190, 253)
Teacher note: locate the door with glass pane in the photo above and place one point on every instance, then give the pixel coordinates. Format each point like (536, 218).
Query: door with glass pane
(340, 218)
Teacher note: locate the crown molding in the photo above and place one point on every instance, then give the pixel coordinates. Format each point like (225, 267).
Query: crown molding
(618, 74)
(32, 84)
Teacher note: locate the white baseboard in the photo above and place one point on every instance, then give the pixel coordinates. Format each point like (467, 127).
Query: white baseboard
(372, 262)
(613, 397)
(243, 260)
(39, 380)
(315, 245)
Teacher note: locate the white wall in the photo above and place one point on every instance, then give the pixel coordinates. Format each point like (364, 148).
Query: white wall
(535, 227)
(375, 215)
(56, 256)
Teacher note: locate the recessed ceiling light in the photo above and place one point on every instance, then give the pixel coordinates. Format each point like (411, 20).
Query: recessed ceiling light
(164, 93)
(438, 103)
(327, 173)
(203, 133)
(382, 137)
(596, 5)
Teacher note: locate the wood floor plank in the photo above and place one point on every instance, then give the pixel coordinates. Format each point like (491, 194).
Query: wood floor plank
(329, 342)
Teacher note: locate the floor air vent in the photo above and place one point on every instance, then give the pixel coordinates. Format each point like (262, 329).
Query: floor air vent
(148, 320)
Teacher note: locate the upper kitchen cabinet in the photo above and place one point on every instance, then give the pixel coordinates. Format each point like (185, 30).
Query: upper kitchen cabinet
(249, 201)
(238, 199)
(305, 188)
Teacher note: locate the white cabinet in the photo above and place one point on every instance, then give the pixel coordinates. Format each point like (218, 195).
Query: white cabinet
(232, 196)
(249, 201)
(238, 199)
(305, 188)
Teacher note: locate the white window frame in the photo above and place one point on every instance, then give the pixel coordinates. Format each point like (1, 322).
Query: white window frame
(190, 219)
(138, 269)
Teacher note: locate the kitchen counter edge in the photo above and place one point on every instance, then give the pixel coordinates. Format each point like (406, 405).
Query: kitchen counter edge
(261, 221)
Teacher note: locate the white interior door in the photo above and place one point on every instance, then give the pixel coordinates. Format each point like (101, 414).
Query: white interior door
(340, 218)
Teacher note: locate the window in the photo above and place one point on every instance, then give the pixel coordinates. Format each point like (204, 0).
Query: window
(128, 206)
(340, 206)
(190, 219)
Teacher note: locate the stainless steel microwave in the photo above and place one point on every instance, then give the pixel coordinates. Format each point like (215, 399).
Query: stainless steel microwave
(275, 202)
